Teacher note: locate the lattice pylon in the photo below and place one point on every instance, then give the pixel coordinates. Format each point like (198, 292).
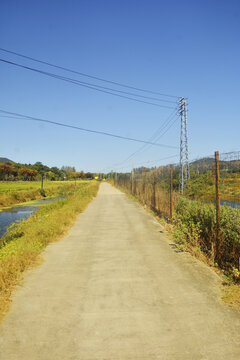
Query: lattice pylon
(184, 155)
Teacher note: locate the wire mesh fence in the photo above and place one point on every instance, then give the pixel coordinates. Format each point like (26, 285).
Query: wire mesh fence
(152, 186)
(202, 184)
(214, 181)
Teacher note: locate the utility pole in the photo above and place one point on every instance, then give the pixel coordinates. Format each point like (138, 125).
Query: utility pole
(184, 156)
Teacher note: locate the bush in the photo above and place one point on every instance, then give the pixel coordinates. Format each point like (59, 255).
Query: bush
(196, 225)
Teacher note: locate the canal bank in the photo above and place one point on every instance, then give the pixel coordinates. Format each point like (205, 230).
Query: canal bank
(20, 212)
(25, 242)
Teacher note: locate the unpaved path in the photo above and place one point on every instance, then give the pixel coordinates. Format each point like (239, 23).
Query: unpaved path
(116, 289)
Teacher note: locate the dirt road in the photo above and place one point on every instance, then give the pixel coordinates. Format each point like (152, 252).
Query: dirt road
(116, 289)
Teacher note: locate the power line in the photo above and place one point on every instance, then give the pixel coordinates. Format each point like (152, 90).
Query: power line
(90, 86)
(158, 134)
(161, 159)
(86, 83)
(149, 162)
(75, 81)
(169, 119)
(150, 140)
(26, 117)
(89, 76)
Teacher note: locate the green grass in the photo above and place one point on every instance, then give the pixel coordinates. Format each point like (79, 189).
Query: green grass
(17, 192)
(21, 247)
(9, 186)
(203, 187)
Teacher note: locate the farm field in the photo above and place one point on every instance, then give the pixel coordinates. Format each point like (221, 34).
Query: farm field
(16, 192)
(8, 186)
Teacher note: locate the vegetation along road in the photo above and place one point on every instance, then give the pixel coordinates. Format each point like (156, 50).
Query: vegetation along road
(116, 288)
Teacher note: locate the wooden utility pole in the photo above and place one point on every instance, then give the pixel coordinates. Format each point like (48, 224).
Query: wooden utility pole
(171, 191)
(217, 205)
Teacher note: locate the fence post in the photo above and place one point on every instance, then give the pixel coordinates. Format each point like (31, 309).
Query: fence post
(132, 182)
(217, 206)
(171, 191)
(154, 191)
(144, 186)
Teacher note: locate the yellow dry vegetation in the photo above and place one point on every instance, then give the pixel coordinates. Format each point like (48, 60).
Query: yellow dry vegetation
(21, 247)
(231, 294)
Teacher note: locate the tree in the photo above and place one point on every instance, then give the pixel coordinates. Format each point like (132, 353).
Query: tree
(42, 169)
(57, 173)
(51, 175)
(68, 169)
(6, 170)
(89, 175)
(32, 174)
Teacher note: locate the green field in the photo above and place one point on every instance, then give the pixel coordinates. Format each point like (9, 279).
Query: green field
(8, 186)
(16, 192)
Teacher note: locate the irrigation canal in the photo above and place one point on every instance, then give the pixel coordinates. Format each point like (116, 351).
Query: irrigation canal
(21, 212)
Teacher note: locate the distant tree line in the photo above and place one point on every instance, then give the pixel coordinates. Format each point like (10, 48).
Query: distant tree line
(28, 172)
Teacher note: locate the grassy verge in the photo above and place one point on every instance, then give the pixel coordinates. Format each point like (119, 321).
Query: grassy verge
(21, 247)
(17, 192)
(194, 231)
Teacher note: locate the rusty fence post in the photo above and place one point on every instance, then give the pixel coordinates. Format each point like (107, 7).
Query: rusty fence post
(132, 183)
(171, 191)
(144, 186)
(154, 192)
(216, 255)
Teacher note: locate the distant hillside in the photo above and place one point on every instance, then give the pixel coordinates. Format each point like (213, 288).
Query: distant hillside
(4, 160)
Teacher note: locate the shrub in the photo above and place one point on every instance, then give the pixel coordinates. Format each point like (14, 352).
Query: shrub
(196, 225)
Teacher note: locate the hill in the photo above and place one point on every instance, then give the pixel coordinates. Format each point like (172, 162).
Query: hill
(4, 160)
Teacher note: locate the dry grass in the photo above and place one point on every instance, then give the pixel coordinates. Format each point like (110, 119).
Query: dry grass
(23, 245)
(231, 295)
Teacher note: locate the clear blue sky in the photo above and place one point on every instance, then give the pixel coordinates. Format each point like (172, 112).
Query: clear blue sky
(185, 48)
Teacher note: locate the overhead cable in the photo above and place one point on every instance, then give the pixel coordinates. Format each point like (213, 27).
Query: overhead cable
(26, 117)
(87, 75)
(77, 82)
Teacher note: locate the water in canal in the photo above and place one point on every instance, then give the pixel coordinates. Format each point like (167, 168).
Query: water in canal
(21, 212)
(233, 204)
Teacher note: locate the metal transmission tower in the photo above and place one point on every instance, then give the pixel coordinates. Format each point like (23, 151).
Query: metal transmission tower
(184, 157)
